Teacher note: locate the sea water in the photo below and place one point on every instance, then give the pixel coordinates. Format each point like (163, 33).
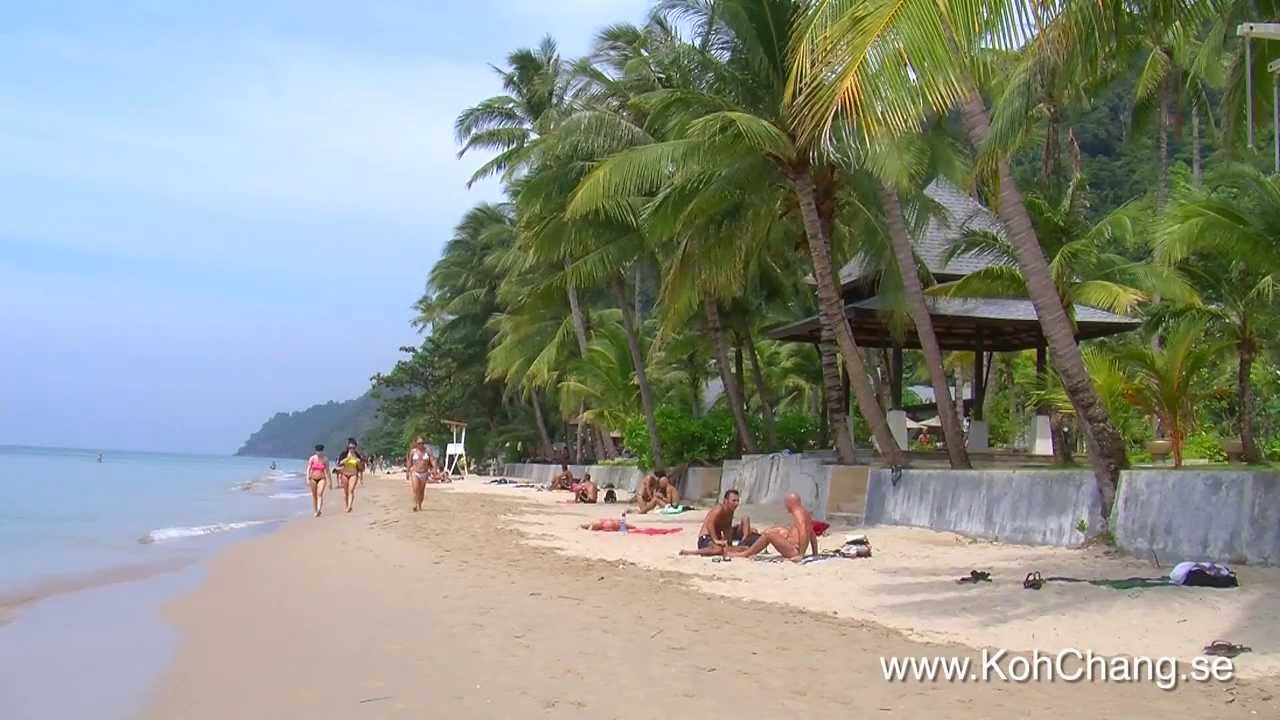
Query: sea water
(89, 551)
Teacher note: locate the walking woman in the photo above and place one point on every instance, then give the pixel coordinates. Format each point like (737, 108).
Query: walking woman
(318, 478)
(417, 469)
(350, 467)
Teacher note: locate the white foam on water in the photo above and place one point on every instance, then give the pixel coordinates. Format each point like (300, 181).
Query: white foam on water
(175, 533)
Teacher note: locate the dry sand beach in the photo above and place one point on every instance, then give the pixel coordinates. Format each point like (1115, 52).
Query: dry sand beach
(492, 603)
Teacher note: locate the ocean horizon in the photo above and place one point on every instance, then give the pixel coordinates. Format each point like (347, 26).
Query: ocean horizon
(106, 543)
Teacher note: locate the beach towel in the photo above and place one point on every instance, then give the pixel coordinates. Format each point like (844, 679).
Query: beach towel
(674, 509)
(652, 531)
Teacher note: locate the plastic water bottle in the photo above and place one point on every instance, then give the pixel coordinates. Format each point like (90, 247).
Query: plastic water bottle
(622, 526)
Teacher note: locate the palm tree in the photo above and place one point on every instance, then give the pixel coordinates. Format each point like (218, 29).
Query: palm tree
(740, 127)
(604, 380)
(536, 88)
(1226, 237)
(1171, 380)
(847, 64)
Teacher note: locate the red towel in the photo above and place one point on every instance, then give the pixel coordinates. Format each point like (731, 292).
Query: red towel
(819, 527)
(652, 531)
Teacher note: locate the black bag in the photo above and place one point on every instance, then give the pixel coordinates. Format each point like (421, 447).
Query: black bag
(1199, 577)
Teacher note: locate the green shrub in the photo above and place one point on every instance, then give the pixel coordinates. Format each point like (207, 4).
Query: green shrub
(797, 432)
(706, 440)
(1203, 445)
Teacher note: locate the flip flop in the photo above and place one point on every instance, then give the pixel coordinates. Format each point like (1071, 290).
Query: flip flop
(1033, 581)
(975, 577)
(1222, 648)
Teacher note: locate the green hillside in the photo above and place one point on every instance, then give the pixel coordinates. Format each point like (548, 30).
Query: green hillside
(295, 434)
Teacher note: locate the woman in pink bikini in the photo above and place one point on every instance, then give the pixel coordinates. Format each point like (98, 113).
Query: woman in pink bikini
(318, 477)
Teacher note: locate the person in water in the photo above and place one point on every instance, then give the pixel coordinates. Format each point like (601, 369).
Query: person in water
(317, 478)
(417, 469)
(273, 464)
(350, 467)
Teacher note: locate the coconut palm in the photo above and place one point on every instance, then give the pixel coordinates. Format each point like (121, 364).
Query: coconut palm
(848, 64)
(1169, 381)
(1225, 236)
(737, 122)
(536, 86)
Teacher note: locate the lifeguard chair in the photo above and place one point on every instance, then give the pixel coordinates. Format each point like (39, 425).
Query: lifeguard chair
(455, 452)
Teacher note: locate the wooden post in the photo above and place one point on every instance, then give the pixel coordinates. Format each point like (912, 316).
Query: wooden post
(979, 379)
(896, 381)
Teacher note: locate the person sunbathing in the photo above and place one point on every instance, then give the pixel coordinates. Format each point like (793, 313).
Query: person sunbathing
(586, 491)
(563, 481)
(718, 530)
(790, 542)
(605, 525)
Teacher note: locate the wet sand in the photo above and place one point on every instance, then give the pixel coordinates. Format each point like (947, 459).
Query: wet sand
(472, 609)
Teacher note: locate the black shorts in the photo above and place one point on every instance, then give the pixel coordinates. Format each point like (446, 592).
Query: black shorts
(705, 541)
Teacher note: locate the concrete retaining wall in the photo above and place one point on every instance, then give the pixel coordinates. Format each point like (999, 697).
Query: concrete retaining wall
(623, 477)
(765, 479)
(1037, 507)
(1218, 515)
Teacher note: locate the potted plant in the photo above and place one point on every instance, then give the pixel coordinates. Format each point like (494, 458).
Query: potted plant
(1159, 449)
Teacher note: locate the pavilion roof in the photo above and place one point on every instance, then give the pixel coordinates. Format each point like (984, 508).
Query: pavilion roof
(994, 324)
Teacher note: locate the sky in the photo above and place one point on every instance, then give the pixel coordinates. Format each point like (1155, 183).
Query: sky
(212, 212)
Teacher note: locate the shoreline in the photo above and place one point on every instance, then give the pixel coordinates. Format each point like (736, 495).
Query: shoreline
(491, 602)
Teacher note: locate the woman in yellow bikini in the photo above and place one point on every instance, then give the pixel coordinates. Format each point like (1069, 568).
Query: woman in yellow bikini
(350, 466)
(318, 478)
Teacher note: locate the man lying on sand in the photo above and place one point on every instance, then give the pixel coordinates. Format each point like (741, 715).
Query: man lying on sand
(790, 542)
(719, 531)
(586, 491)
(563, 481)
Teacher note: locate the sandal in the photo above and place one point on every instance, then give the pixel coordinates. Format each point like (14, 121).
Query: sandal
(975, 577)
(1222, 648)
(1033, 581)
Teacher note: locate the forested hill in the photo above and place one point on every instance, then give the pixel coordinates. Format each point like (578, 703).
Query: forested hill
(294, 434)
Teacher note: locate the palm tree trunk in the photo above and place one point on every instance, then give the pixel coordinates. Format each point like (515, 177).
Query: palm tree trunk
(766, 397)
(831, 307)
(952, 433)
(732, 390)
(1244, 391)
(878, 369)
(1052, 147)
(1061, 440)
(837, 413)
(543, 435)
(1106, 446)
(1196, 171)
(604, 443)
(637, 361)
(1162, 176)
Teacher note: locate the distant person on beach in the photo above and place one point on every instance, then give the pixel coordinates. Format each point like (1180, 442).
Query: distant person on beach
(790, 542)
(417, 469)
(586, 491)
(273, 464)
(719, 532)
(317, 478)
(351, 467)
(563, 481)
(647, 493)
(667, 493)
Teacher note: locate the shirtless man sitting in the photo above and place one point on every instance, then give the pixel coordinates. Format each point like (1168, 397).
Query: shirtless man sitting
(647, 494)
(719, 531)
(667, 493)
(586, 491)
(790, 542)
(563, 481)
